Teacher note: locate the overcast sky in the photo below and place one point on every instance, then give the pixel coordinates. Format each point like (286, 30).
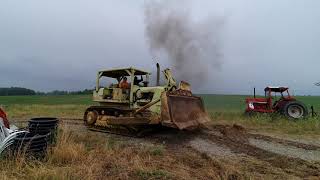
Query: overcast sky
(60, 44)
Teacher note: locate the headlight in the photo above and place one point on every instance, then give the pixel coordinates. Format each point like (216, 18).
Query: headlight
(251, 106)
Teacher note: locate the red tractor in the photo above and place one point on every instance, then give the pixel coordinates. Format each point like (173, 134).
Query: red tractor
(283, 104)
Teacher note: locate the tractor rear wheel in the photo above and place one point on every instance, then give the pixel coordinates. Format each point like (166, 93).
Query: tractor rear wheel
(295, 110)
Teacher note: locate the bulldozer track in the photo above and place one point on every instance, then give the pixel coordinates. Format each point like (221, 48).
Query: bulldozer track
(80, 122)
(94, 129)
(75, 121)
(124, 131)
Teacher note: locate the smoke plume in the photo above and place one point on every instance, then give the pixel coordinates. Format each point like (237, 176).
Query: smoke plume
(192, 47)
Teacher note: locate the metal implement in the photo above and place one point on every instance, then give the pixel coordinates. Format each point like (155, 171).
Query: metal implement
(7, 135)
(185, 111)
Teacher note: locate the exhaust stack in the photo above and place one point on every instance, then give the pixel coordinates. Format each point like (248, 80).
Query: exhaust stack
(158, 74)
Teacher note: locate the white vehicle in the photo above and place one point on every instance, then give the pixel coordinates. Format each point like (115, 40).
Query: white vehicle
(7, 135)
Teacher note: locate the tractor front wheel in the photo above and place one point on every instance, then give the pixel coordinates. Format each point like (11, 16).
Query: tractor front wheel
(250, 113)
(295, 110)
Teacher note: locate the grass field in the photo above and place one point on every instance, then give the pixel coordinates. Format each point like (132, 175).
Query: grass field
(87, 155)
(46, 100)
(222, 108)
(221, 103)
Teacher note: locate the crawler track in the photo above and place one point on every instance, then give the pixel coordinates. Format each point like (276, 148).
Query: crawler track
(112, 131)
(116, 130)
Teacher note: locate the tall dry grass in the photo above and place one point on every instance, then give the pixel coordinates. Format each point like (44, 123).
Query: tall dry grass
(88, 155)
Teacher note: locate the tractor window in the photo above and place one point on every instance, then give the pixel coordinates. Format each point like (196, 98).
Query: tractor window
(108, 82)
(276, 96)
(142, 81)
(285, 94)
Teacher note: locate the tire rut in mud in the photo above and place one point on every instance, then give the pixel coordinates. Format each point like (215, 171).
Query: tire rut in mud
(284, 142)
(237, 139)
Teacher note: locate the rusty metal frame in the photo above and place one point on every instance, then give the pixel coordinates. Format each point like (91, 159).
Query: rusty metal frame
(170, 107)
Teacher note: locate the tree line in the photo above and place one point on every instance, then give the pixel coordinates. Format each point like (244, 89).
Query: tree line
(19, 91)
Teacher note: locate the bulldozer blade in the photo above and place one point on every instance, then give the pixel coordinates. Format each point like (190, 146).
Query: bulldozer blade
(183, 111)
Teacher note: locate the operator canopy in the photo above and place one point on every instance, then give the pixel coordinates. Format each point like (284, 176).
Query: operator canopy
(115, 73)
(276, 89)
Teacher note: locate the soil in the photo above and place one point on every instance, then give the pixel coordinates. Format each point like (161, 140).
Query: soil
(288, 156)
(210, 148)
(259, 155)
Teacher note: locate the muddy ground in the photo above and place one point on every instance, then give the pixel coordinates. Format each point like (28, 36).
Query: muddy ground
(254, 155)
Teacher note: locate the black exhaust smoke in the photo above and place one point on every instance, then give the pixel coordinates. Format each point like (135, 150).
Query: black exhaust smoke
(193, 48)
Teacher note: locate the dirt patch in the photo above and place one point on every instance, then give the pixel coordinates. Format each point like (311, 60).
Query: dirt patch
(285, 142)
(236, 139)
(234, 133)
(210, 148)
(301, 153)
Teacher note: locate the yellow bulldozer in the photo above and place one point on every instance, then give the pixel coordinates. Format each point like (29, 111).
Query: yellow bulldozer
(137, 106)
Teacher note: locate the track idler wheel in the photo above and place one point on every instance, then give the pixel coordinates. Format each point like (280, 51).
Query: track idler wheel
(91, 117)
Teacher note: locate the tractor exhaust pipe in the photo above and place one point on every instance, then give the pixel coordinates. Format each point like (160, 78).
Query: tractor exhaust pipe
(158, 74)
(254, 92)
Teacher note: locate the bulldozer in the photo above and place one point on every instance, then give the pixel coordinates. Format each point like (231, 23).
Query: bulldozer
(140, 107)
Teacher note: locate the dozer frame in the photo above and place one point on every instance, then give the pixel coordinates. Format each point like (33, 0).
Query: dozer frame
(141, 106)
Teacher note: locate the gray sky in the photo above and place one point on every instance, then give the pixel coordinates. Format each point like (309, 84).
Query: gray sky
(48, 45)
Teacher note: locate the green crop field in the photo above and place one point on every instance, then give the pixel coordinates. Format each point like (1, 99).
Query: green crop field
(45, 100)
(222, 108)
(236, 103)
(222, 103)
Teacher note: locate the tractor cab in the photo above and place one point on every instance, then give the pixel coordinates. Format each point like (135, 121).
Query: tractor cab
(276, 95)
(112, 92)
(271, 92)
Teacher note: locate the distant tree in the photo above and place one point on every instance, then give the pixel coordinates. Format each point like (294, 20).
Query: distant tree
(86, 91)
(16, 91)
(58, 92)
(40, 93)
